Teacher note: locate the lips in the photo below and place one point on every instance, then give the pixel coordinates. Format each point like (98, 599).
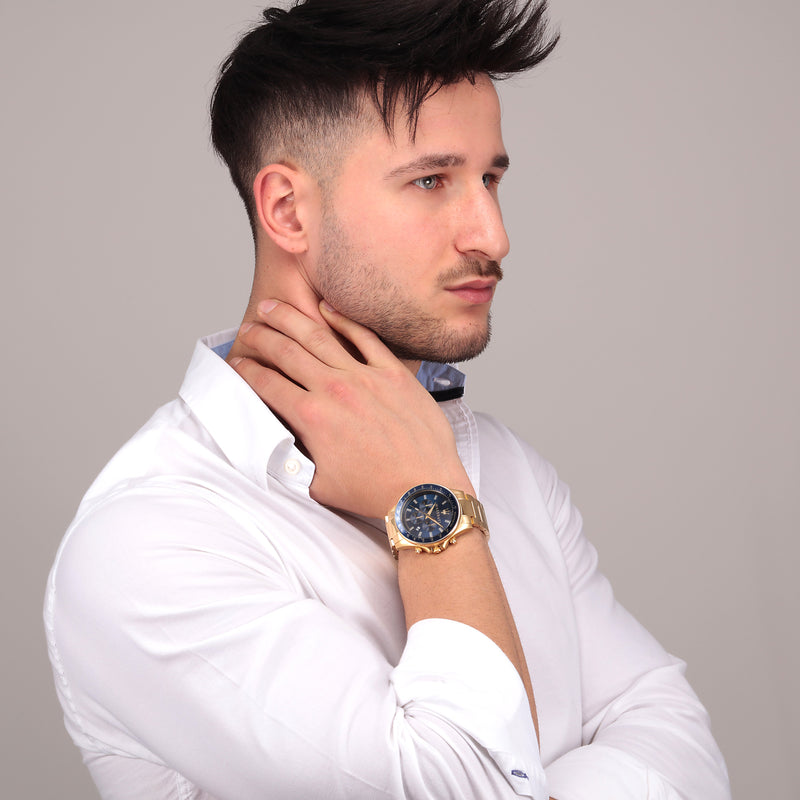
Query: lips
(479, 290)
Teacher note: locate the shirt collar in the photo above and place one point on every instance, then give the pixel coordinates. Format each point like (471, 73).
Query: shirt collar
(443, 381)
(250, 436)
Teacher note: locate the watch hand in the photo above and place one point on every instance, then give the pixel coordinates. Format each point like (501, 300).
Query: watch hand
(435, 520)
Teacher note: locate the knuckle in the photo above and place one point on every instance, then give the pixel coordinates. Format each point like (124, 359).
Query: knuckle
(261, 380)
(247, 335)
(256, 339)
(338, 389)
(318, 338)
(286, 350)
(308, 414)
(396, 376)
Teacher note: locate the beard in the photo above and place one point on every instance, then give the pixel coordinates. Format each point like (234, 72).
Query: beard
(366, 293)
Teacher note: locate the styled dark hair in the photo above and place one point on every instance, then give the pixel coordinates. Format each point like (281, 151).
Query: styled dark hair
(294, 87)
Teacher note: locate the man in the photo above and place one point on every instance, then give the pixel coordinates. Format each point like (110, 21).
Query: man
(226, 616)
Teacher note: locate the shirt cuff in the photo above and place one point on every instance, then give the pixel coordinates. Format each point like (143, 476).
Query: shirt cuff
(459, 674)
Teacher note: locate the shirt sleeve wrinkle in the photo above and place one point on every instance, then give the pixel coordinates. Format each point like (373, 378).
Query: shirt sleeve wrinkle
(255, 690)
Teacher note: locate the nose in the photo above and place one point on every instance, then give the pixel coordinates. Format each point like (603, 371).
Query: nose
(481, 232)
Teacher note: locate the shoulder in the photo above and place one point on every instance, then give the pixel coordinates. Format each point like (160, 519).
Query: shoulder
(501, 446)
(150, 542)
(168, 514)
(511, 469)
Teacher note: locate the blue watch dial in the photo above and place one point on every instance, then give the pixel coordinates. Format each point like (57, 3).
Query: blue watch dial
(427, 514)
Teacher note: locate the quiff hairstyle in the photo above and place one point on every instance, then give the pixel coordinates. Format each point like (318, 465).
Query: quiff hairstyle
(293, 90)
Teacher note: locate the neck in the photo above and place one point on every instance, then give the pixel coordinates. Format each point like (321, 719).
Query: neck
(285, 278)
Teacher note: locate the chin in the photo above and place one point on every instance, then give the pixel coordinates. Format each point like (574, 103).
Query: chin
(448, 347)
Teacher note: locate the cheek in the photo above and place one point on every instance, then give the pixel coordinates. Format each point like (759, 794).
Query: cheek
(413, 231)
(397, 232)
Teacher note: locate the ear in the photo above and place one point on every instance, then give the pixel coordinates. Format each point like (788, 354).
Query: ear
(281, 194)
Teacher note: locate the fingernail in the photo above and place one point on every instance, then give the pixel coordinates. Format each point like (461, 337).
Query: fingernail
(265, 306)
(245, 327)
(327, 306)
(234, 361)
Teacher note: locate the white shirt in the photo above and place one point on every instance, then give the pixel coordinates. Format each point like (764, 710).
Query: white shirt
(215, 633)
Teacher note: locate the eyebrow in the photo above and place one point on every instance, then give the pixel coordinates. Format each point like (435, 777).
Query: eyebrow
(434, 161)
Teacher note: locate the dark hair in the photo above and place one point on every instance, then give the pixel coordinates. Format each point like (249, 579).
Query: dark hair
(293, 88)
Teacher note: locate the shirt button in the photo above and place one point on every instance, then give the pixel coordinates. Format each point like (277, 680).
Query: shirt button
(292, 466)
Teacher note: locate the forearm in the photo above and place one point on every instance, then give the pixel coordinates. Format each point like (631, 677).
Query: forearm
(462, 584)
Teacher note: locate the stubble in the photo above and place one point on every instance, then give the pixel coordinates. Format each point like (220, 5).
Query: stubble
(366, 293)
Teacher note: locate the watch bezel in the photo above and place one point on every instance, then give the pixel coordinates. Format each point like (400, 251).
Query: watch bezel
(414, 491)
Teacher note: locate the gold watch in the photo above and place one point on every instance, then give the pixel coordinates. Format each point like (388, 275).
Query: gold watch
(430, 517)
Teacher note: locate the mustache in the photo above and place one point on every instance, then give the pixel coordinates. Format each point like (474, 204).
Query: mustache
(472, 268)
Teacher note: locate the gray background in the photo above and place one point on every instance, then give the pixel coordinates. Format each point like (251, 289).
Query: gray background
(646, 333)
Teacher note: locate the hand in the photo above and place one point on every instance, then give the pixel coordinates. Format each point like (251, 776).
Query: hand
(371, 428)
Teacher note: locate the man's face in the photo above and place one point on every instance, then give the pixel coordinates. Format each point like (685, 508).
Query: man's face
(411, 237)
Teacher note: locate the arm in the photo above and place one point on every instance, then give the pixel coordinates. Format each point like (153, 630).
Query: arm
(464, 586)
(396, 434)
(644, 728)
(644, 733)
(182, 639)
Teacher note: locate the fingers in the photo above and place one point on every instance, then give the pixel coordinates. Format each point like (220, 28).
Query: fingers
(315, 338)
(292, 360)
(278, 392)
(375, 352)
(280, 352)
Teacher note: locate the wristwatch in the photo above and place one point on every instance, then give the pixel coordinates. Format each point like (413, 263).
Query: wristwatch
(429, 517)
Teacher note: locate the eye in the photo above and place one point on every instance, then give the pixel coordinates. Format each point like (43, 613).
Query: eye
(428, 182)
(490, 180)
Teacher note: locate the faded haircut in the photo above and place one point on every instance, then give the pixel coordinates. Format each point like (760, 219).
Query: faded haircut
(294, 88)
